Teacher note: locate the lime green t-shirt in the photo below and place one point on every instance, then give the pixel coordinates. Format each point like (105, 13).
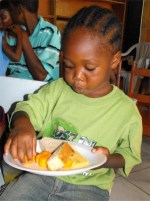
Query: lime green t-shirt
(112, 121)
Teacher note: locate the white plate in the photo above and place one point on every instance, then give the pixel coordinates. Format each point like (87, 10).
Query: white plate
(95, 160)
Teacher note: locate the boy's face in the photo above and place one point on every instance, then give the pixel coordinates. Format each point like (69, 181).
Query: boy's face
(88, 64)
(5, 19)
(16, 14)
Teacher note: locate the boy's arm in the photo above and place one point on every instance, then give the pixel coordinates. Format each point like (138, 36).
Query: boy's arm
(14, 53)
(114, 161)
(22, 138)
(34, 65)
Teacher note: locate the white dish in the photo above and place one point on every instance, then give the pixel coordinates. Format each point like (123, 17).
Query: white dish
(94, 159)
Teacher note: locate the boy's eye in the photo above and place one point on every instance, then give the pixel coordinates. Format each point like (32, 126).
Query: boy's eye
(90, 69)
(67, 65)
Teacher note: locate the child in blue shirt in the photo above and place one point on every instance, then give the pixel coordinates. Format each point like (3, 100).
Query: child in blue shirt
(41, 44)
(4, 60)
(8, 30)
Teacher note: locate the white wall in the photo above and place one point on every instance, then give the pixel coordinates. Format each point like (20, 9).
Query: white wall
(14, 89)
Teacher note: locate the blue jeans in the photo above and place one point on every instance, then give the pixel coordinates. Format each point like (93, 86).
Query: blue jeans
(30, 187)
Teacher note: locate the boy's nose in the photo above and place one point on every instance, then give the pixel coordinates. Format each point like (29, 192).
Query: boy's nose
(78, 76)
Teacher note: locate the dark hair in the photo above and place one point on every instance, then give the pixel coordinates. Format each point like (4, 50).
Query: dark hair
(30, 5)
(4, 5)
(100, 21)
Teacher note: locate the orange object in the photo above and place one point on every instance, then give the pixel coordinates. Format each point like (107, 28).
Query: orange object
(42, 158)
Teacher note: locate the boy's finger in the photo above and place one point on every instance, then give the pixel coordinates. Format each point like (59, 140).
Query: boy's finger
(13, 150)
(29, 150)
(21, 156)
(7, 146)
(34, 146)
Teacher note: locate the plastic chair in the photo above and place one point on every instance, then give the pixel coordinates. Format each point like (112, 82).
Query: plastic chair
(142, 58)
(143, 100)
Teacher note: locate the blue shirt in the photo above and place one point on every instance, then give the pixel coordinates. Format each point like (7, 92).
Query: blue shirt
(4, 60)
(45, 41)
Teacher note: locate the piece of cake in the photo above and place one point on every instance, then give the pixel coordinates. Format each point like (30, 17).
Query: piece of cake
(49, 144)
(65, 157)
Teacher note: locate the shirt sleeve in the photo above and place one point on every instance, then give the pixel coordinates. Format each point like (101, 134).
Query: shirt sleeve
(48, 54)
(39, 105)
(130, 147)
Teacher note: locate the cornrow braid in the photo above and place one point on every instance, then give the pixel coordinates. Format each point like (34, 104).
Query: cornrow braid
(99, 20)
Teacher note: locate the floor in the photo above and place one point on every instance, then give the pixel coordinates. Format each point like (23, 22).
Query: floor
(137, 186)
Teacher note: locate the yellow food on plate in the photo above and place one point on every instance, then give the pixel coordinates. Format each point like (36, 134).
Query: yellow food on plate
(65, 157)
(41, 158)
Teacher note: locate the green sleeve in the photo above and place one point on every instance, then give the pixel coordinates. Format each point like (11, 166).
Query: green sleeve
(41, 103)
(130, 147)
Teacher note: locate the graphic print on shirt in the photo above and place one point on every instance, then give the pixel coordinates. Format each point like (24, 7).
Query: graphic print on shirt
(60, 129)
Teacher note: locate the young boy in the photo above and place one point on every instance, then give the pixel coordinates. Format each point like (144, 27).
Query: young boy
(41, 43)
(85, 105)
(7, 29)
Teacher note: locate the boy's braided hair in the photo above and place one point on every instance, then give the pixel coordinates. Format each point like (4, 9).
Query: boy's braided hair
(30, 5)
(100, 21)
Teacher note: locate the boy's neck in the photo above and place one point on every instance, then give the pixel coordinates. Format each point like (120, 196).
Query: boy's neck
(31, 21)
(103, 91)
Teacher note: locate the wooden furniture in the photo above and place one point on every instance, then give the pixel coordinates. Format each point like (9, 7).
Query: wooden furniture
(145, 22)
(59, 11)
(139, 52)
(143, 100)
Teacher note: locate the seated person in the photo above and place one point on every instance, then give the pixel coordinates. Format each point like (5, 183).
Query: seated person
(86, 108)
(2, 121)
(7, 30)
(2, 130)
(4, 60)
(7, 173)
(41, 44)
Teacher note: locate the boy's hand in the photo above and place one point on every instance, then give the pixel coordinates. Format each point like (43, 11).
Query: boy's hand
(102, 150)
(114, 160)
(16, 29)
(21, 142)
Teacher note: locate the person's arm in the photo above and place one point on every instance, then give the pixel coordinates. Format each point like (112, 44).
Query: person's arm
(34, 65)
(14, 53)
(114, 161)
(22, 138)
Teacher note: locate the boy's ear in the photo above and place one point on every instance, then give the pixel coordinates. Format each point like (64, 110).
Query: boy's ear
(116, 60)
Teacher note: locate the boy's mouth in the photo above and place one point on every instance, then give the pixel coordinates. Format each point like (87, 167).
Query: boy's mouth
(77, 88)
